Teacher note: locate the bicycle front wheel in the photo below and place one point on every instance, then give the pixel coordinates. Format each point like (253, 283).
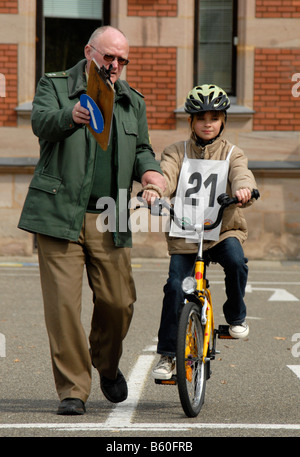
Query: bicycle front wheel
(191, 370)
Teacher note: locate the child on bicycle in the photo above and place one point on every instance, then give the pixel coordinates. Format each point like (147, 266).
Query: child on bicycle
(207, 106)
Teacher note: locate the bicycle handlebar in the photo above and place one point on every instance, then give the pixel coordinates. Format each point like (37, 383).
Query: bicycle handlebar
(224, 201)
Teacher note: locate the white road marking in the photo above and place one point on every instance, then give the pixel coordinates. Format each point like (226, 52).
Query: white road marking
(286, 283)
(150, 348)
(277, 294)
(123, 413)
(295, 369)
(121, 417)
(167, 427)
(2, 345)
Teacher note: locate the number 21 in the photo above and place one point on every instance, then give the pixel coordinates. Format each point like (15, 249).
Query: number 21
(210, 181)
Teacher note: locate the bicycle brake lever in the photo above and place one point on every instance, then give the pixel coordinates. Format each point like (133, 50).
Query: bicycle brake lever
(155, 208)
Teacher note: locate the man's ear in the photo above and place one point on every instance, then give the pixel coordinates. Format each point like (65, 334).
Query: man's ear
(87, 52)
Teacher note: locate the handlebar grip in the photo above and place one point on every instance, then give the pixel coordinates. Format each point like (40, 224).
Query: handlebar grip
(224, 199)
(255, 194)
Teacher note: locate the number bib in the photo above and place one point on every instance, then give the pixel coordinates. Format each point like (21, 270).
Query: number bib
(200, 183)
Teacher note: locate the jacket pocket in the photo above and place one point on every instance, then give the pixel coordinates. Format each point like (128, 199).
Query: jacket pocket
(130, 128)
(46, 183)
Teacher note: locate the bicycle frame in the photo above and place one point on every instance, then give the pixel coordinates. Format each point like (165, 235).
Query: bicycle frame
(196, 336)
(201, 295)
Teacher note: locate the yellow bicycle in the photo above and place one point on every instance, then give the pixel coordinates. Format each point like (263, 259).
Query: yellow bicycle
(196, 338)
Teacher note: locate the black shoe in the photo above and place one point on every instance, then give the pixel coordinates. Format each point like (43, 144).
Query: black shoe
(115, 390)
(71, 407)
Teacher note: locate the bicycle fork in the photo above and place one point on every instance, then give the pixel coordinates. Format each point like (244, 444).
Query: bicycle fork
(206, 311)
(207, 316)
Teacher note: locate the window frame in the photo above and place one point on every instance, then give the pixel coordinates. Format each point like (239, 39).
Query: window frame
(234, 41)
(40, 34)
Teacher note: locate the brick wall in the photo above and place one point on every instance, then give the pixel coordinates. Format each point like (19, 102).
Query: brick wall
(152, 8)
(277, 8)
(276, 108)
(9, 68)
(9, 72)
(9, 7)
(152, 71)
(274, 103)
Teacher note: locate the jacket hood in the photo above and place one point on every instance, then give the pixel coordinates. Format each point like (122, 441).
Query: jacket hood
(207, 150)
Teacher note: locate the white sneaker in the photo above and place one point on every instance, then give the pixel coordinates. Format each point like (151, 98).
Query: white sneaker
(239, 331)
(164, 368)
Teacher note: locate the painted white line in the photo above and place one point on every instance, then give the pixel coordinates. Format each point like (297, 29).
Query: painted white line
(295, 369)
(150, 348)
(123, 413)
(287, 283)
(2, 345)
(168, 427)
(121, 417)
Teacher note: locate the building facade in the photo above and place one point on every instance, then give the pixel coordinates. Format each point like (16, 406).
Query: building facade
(249, 47)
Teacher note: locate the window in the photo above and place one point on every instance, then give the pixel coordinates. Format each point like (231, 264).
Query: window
(215, 43)
(63, 29)
(83, 9)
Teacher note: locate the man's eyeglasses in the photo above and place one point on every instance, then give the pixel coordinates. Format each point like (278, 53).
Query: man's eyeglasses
(108, 58)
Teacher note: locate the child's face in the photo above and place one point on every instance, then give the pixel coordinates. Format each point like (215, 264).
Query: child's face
(207, 125)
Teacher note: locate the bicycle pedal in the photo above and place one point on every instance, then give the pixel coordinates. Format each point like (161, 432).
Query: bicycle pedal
(223, 333)
(167, 382)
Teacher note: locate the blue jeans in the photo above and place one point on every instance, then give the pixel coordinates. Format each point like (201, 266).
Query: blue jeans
(230, 255)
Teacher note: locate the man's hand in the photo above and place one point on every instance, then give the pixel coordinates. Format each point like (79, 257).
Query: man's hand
(155, 178)
(80, 115)
(243, 195)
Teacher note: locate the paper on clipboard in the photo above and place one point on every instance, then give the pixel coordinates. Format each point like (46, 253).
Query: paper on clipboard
(101, 90)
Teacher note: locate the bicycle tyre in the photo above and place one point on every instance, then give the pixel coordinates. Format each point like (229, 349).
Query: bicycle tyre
(191, 371)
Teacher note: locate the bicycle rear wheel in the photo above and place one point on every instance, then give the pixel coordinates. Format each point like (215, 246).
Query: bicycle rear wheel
(191, 371)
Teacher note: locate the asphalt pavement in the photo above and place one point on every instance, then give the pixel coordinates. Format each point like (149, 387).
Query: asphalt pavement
(254, 389)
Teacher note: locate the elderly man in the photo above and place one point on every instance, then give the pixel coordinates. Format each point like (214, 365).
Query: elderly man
(72, 174)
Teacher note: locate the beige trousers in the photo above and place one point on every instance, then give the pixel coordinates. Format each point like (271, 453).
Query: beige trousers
(110, 278)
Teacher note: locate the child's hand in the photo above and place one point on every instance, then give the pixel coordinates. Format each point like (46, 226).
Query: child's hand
(150, 196)
(243, 195)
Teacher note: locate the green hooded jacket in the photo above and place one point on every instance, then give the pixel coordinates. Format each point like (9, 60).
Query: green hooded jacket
(59, 191)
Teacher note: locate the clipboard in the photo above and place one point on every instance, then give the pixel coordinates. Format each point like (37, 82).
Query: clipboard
(101, 90)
